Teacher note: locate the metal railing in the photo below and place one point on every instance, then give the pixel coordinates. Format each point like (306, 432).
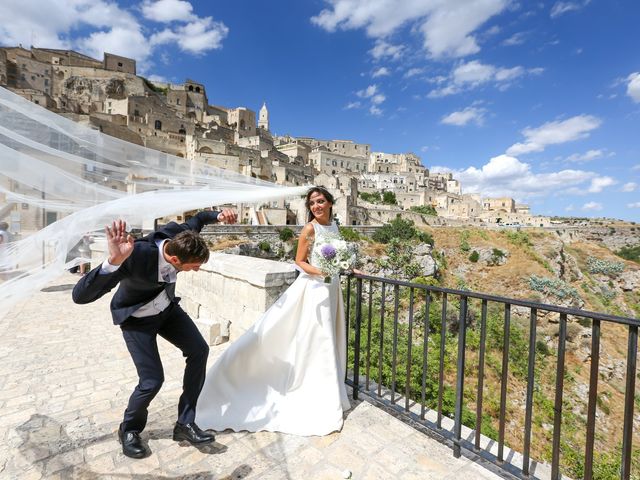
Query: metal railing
(371, 331)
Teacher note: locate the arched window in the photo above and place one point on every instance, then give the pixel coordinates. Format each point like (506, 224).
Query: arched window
(158, 125)
(242, 124)
(191, 88)
(197, 89)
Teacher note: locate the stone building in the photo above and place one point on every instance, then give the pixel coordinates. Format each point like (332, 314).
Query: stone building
(393, 182)
(342, 147)
(297, 151)
(116, 63)
(263, 119)
(189, 100)
(333, 163)
(499, 204)
(242, 121)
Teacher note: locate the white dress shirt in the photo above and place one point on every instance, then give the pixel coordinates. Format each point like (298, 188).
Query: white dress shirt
(166, 273)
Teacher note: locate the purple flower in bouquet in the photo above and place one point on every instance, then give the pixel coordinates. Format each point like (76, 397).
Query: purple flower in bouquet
(328, 251)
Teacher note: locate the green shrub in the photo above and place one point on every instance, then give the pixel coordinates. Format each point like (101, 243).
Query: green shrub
(596, 265)
(630, 253)
(349, 234)
(474, 257)
(264, 246)
(374, 197)
(286, 234)
(424, 210)
(496, 256)
(554, 287)
(389, 198)
(401, 229)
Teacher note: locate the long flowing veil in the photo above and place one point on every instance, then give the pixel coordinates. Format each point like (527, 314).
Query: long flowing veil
(51, 164)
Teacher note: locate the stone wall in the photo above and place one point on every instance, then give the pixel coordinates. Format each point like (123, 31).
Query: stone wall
(230, 292)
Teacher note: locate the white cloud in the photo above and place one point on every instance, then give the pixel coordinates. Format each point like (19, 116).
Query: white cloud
(381, 72)
(600, 183)
(507, 176)
(375, 111)
(516, 39)
(412, 72)
(633, 205)
(473, 74)
(447, 28)
(97, 26)
(378, 99)
(383, 49)
(569, 208)
(552, 133)
(121, 41)
(197, 37)
(629, 187)
(352, 105)
(166, 11)
(587, 156)
(368, 92)
(633, 87)
(463, 117)
(563, 7)
(592, 207)
(635, 167)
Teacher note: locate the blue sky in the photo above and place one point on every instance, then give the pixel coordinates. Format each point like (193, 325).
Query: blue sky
(535, 100)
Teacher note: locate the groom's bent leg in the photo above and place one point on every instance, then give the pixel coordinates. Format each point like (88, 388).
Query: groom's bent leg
(182, 332)
(140, 336)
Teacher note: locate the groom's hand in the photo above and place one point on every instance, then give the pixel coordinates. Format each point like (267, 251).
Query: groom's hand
(227, 215)
(119, 241)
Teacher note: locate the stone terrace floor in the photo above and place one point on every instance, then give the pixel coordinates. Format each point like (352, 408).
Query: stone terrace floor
(65, 377)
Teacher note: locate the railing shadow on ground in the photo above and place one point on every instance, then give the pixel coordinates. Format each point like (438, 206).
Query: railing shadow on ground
(385, 357)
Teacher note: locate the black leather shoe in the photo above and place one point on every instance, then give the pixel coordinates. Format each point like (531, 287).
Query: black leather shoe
(192, 434)
(132, 445)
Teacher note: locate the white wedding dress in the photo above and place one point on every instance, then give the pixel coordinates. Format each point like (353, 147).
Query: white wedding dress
(286, 373)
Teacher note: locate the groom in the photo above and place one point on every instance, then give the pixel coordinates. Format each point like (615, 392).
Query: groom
(145, 306)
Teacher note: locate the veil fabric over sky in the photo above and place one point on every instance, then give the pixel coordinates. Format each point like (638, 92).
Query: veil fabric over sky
(50, 162)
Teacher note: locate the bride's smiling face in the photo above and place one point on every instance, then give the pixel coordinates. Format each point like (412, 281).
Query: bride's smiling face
(320, 207)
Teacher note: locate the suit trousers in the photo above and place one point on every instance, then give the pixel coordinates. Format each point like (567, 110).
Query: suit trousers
(140, 335)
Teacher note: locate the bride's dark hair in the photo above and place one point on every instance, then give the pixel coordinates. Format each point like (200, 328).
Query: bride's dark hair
(324, 192)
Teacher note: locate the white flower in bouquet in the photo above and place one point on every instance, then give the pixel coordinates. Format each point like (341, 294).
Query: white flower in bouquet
(333, 255)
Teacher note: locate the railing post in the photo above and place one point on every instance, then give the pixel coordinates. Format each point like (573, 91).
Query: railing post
(593, 399)
(627, 434)
(356, 347)
(462, 336)
(557, 419)
(504, 377)
(531, 374)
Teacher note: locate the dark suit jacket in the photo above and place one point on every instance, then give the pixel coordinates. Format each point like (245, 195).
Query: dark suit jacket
(138, 274)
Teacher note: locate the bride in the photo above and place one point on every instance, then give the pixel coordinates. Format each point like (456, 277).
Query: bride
(286, 373)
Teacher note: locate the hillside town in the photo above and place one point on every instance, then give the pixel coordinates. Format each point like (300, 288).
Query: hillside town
(371, 187)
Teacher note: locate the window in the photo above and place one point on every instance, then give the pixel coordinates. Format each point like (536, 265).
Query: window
(46, 82)
(177, 101)
(119, 64)
(136, 113)
(158, 125)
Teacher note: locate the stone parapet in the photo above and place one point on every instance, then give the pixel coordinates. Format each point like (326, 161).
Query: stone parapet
(230, 292)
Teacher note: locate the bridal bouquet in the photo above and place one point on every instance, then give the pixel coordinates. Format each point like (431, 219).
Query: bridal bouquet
(333, 255)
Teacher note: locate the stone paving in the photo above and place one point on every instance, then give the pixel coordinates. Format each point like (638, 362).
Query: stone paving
(65, 377)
